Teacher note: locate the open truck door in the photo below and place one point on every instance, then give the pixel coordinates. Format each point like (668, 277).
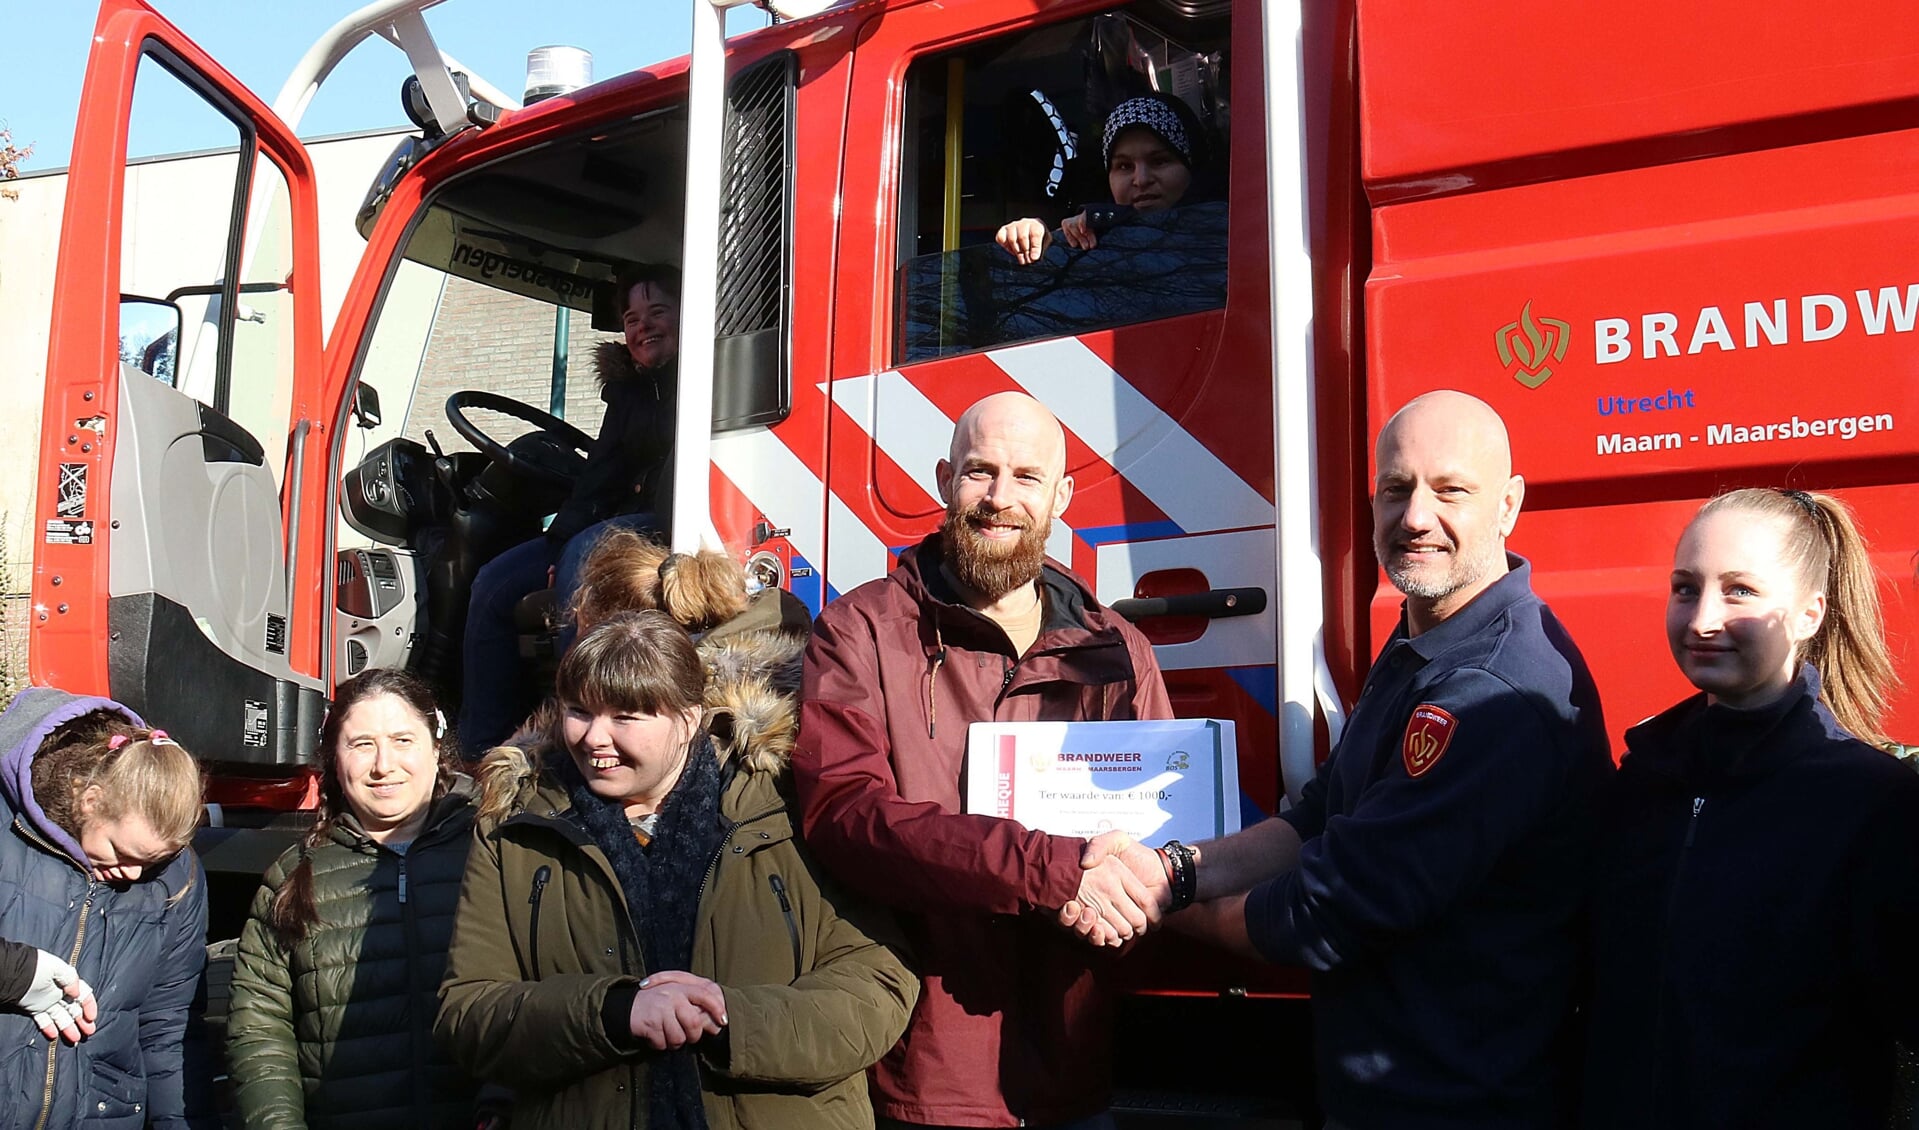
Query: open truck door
(176, 454)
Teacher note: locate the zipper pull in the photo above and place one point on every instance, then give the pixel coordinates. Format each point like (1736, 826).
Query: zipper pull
(1692, 825)
(539, 884)
(779, 892)
(403, 880)
(1007, 680)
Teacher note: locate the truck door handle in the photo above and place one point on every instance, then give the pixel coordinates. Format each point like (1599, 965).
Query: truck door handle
(1214, 604)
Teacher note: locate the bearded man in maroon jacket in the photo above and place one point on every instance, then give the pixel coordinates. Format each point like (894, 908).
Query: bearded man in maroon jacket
(1013, 1026)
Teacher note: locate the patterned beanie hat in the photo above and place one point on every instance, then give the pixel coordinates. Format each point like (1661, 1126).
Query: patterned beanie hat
(1153, 112)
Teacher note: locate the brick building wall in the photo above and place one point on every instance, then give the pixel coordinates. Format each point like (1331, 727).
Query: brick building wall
(489, 339)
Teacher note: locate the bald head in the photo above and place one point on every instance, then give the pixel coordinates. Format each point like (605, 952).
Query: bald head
(1011, 417)
(1003, 481)
(1444, 501)
(1464, 424)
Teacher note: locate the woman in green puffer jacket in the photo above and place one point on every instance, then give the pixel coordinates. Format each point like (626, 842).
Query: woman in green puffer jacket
(336, 981)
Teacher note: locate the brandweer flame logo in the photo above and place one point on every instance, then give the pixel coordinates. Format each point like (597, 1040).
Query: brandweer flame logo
(1428, 733)
(1530, 347)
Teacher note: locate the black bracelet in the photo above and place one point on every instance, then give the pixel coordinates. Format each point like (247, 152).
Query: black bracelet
(1185, 873)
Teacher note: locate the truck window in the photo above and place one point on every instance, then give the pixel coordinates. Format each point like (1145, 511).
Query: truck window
(1012, 128)
(233, 350)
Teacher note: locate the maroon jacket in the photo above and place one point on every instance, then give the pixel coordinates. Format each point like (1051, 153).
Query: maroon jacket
(1012, 1023)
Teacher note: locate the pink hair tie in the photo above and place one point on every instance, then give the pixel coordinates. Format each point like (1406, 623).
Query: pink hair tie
(117, 740)
(159, 737)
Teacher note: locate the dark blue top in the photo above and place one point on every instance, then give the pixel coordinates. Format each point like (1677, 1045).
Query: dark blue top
(1439, 878)
(1756, 922)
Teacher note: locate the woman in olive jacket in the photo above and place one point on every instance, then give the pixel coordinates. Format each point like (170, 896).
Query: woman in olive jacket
(338, 971)
(641, 941)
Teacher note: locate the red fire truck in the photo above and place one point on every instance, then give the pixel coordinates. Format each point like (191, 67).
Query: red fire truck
(1672, 244)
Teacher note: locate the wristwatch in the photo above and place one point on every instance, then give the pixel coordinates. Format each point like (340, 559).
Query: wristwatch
(1182, 867)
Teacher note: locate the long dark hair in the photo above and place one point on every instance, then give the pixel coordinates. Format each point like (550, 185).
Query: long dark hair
(293, 912)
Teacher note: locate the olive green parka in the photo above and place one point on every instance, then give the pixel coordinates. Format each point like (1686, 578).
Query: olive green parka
(336, 1030)
(815, 990)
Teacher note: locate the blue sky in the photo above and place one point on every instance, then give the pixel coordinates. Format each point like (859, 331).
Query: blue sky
(259, 41)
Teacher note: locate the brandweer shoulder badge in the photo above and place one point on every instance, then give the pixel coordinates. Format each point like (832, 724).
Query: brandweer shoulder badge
(1428, 734)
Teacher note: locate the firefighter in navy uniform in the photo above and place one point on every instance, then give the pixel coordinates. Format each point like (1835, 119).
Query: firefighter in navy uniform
(1430, 877)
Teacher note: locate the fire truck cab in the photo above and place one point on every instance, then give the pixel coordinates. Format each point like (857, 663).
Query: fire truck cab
(268, 529)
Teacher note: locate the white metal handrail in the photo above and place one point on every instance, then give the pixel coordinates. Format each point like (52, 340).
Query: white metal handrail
(1304, 680)
(395, 21)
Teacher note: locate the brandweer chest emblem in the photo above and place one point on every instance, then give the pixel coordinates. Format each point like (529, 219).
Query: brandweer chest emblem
(1428, 734)
(1530, 347)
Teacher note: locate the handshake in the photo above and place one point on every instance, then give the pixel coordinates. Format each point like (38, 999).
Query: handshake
(1127, 887)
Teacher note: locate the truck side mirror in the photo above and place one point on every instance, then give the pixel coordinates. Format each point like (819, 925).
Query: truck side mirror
(150, 337)
(366, 405)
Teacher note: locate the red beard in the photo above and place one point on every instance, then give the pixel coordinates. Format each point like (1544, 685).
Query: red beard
(993, 569)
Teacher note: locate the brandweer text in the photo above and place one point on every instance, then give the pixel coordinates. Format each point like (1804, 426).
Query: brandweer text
(1821, 317)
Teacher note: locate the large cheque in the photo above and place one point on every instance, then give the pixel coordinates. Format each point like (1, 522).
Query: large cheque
(1154, 781)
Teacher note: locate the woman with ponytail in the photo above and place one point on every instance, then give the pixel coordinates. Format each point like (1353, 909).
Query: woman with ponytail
(103, 914)
(1756, 904)
(706, 592)
(335, 983)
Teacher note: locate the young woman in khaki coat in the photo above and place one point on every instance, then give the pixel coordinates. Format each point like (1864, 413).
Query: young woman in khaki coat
(641, 941)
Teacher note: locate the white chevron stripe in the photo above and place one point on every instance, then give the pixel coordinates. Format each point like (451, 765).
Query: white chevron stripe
(914, 433)
(1145, 445)
(907, 426)
(854, 554)
(774, 480)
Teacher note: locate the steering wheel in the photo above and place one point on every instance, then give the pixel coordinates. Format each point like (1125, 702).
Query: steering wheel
(553, 433)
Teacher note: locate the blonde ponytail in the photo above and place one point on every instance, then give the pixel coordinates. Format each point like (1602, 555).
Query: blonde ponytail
(630, 572)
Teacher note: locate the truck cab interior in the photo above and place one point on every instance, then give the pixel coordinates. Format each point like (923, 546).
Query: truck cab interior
(493, 310)
(485, 453)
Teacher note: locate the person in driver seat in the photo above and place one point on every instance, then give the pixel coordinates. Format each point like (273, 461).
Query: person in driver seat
(628, 481)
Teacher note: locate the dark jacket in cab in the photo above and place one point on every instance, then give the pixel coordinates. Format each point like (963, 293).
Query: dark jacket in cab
(629, 469)
(1755, 923)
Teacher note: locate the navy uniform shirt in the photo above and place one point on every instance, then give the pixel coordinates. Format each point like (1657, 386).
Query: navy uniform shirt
(1441, 872)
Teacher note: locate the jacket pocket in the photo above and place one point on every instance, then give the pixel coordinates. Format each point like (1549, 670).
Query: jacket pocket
(792, 924)
(538, 891)
(23, 1069)
(114, 1098)
(133, 943)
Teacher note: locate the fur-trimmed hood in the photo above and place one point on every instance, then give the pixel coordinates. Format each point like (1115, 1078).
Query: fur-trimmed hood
(752, 698)
(613, 365)
(752, 709)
